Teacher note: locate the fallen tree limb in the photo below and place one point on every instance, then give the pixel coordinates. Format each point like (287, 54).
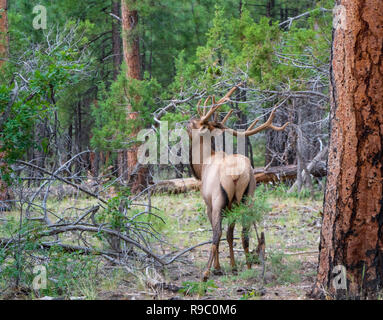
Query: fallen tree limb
(177, 185)
(275, 174)
(315, 166)
(262, 175)
(70, 228)
(63, 180)
(72, 248)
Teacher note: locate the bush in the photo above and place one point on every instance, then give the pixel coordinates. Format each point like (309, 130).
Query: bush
(251, 209)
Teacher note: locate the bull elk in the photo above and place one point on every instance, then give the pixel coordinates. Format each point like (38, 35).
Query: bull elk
(226, 179)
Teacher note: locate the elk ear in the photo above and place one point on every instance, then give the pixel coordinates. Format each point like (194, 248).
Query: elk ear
(203, 129)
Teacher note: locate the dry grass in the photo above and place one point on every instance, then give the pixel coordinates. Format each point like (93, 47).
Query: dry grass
(292, 237)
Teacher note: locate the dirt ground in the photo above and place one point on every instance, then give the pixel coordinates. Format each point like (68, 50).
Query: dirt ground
(291, 228)
(292, 231)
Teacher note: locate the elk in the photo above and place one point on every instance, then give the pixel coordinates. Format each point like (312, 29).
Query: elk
(226, 179)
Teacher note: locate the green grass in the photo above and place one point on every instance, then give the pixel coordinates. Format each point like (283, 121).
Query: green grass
(285, 269)
(289, 226)
(191, 288)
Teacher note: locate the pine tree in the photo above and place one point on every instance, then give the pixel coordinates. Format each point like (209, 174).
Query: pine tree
(3, 31)
(131, 46)
(351, 246)
(4, 190)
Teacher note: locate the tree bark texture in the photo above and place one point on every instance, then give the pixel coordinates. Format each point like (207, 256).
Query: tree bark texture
(351, 233)
(116, 39)
(3, 31)
(131, 48)
(130, 40)
(5, 195)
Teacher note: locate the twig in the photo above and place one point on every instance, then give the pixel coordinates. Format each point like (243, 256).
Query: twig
(290, 20)
(190, 249)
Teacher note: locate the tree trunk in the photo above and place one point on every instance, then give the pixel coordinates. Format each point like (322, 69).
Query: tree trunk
(277, 151)
(5, 194)
(3, 31)
(352, 226)
(131, 48)
(269, 8)
(116, 39)
(130, 40)
(69, 147)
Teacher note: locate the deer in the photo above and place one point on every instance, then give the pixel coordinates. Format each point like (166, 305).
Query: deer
(226, 179)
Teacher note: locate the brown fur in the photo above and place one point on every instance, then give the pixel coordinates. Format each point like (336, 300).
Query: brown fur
(225, 180)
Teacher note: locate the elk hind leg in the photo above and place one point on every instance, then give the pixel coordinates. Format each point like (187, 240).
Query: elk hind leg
(230, 238)
(214, 253)
(245, 244)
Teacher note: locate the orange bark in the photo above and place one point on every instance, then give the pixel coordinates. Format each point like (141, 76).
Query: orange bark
(130, 40)
(131, 49)
(353, 209)
(4, 190)
(3, 31)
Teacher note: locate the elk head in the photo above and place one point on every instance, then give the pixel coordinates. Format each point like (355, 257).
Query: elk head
(208, 120)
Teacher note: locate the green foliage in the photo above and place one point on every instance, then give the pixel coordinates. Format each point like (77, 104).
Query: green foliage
(191, 288)
(251, 210)
(281, 191)
(252, 295)
(250, 42)
(21, 110)
(112, 128)
(113, 213)
(121, 214)
(184, 45)
(259, 150)
(17, 128)
(65, 270)
(202, 218)
(54, 72)
(15, 268)
(286, 271)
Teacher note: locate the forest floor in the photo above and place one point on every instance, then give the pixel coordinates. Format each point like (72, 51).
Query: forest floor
(292, 230)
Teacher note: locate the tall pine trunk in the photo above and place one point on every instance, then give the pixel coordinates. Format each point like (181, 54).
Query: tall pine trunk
(4, 190)
(116, 39)
(131, 48)
(351, 233)
(3, 31)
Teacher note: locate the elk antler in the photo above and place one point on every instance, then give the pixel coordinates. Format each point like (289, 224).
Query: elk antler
(250, 131)
(199, 109)
(215, 106)
(227, 117)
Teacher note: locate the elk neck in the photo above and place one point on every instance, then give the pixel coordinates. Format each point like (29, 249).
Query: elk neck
(197, 167)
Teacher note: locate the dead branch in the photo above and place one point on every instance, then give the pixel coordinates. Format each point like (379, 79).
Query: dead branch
(62, 180)
(56, 230)
(262, 175)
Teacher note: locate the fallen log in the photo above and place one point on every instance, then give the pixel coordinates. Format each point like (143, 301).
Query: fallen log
(316, 166)
(286, 173)
(176, 186)
(275, 174)
(262, 175)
